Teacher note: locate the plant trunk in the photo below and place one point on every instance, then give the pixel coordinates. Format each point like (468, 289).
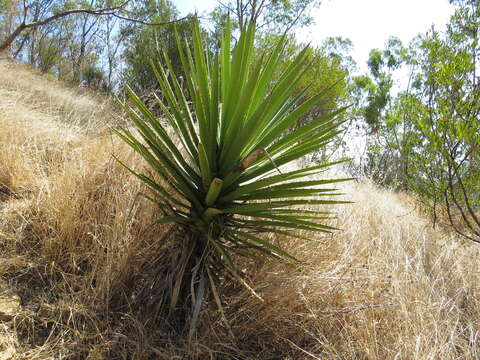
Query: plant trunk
(11, 38)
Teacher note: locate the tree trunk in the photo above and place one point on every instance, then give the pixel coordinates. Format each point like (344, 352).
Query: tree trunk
(5, 45)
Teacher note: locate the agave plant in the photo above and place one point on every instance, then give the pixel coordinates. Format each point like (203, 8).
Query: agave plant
(217, 155)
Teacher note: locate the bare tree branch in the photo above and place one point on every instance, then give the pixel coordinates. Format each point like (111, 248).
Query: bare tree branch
(138, 21)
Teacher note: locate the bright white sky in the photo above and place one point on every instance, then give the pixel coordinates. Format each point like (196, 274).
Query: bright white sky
(368, 23)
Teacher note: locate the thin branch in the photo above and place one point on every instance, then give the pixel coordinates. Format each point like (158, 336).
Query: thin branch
(454, 199)
(467, 201)
(138, 21)
(104, 11)
(452, 223)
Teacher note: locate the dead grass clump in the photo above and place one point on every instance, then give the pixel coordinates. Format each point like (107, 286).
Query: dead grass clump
(79, 105)
(33, 143)
(89, 234)
(93, 222)
(387, 287)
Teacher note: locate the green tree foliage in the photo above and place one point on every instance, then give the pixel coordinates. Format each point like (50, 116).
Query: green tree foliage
(445, 106)
(47, 54)
(151, 42)
(217, 176)
(381, 64)
(5, 6)
(328, 68)
(432, 130)
(375, 105)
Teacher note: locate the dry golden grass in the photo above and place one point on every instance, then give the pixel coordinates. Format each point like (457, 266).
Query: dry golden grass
(387, 287)
(75, 239)
(80, 106)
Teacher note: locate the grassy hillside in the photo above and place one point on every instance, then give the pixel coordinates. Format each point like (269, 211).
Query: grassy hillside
(77, 242)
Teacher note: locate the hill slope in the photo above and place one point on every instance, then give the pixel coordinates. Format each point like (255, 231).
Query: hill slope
(76, 239)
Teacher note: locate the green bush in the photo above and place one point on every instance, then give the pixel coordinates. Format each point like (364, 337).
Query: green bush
(218, 176)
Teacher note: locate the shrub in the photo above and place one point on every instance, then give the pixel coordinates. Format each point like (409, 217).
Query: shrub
(218, 177)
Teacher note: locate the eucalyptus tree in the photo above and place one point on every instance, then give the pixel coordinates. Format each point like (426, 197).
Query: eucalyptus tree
(142, 43)
(446, 115)
(430, 132)
(386, 133)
